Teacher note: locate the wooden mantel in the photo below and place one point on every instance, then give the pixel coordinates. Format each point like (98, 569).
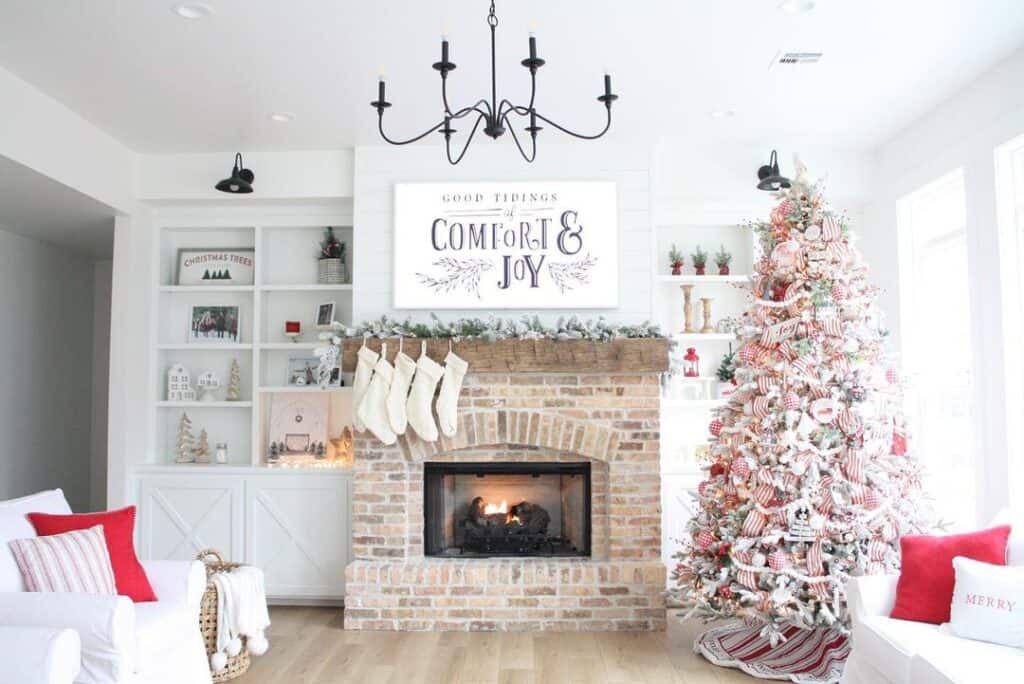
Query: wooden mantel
(642, 355)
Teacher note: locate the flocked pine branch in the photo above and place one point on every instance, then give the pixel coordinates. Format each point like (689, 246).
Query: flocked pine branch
(570, 274)
(461, 274)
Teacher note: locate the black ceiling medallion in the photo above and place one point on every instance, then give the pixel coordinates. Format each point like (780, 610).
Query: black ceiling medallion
(769, 177)
(493, 114)
(241, 179)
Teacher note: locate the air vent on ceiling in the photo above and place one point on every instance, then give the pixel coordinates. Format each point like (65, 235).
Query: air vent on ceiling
(784, 58)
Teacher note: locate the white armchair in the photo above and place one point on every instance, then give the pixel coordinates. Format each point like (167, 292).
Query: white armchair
(890, 651)
(36, 655)
(120, 641)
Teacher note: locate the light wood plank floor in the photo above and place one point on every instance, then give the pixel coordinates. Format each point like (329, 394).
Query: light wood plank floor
(308, 645)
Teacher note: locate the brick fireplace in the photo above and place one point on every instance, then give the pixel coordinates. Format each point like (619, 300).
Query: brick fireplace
(592, 407)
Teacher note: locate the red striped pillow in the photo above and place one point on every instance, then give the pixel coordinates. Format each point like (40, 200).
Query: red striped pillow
(74, 562)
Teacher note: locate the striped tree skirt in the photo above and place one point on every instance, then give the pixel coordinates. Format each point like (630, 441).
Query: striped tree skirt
(805, 657)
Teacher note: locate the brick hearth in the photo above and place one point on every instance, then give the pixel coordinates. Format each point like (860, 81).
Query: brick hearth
(610, 419)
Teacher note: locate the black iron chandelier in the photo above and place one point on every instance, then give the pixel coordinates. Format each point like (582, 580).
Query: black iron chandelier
(494, 115)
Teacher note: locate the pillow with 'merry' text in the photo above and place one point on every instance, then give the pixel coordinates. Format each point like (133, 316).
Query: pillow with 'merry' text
(988, 602)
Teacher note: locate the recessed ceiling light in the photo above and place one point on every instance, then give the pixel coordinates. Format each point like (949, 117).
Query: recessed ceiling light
(192, 10)
(723, 113)
(282, 117)
(796, 6)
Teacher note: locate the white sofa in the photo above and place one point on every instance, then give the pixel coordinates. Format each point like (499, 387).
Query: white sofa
(889, 651)
(118, 640)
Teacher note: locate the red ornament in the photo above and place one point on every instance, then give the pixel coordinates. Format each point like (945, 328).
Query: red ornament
(725, 591)
(715, 427)
(740, 467)
(704, 539)
(791, 401)
(779, 292)
(899, 444)
(717, 469)
(777, 560)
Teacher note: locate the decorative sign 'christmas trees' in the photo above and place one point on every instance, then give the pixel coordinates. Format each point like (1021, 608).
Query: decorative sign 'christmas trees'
(809, 480)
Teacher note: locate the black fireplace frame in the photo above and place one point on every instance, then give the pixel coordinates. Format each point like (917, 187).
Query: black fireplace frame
(433, 470)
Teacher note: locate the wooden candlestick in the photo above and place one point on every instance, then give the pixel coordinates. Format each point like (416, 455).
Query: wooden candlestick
(687, 308)
(705, 303)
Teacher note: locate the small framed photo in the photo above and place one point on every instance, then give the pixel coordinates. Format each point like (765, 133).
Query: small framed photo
(302, 372)
(325, 315)
(214, 324)
(227, 266)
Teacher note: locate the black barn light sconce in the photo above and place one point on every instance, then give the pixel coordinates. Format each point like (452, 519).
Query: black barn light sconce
(769, 177)
(240, 182)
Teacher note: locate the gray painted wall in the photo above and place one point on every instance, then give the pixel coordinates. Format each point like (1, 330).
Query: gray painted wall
(46, 369)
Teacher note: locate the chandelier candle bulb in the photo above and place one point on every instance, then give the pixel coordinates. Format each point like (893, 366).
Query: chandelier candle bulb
(607, 85)
(444, 49)
(533, 46)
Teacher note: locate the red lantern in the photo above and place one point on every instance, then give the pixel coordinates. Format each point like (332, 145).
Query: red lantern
(691, 363)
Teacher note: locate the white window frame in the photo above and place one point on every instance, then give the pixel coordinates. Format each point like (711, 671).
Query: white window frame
(1010, 235)
(909, 244)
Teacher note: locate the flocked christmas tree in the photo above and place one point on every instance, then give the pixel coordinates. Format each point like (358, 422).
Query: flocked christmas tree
(202, 450)
(809, 479)
(234, 391)
(184, 443)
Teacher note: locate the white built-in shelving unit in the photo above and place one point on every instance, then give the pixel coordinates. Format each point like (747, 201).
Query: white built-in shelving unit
(285, 289)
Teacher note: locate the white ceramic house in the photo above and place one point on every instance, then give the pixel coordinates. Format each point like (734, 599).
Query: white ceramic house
(179, 384)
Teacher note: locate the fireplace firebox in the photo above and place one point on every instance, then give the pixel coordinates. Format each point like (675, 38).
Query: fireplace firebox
(506, 509)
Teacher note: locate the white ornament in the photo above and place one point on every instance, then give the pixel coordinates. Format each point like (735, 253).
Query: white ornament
(786, 255)
(758, 559)
(813, 232)
(806, 425)
(823, 410)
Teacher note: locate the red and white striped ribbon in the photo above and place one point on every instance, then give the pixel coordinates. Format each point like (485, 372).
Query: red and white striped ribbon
(764, 494)
(765, 384)
(853, 466)
(747, 578)
(877, 549)
(830, 229)
(832, 327)
(815, 560)
(753, 525)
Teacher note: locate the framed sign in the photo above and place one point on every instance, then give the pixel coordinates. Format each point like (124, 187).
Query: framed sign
(515, 245)
(231, 266)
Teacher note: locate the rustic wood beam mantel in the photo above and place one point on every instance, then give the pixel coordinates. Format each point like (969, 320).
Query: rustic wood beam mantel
(641, 355)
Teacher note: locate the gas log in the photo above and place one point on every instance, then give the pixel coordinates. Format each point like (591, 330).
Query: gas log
(524, 524)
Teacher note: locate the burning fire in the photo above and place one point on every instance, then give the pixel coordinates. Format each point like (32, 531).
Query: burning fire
(491, 509)
(502, 508)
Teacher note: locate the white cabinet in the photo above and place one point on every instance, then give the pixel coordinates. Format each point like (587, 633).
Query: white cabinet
(293, 525)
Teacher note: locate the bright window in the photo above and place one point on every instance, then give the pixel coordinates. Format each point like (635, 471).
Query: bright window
(936, 334)
(1010, 195)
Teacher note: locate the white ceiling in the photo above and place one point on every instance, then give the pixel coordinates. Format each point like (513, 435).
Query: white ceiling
(163, 84)
(39, 207)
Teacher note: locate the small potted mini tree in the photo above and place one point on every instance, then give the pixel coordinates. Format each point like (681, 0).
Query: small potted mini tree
(700, 260)
(722, 258)
(726, 374)
(675, 260)
(331, 267)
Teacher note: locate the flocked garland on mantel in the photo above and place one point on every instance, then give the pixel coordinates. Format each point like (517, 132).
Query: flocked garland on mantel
(491, 329)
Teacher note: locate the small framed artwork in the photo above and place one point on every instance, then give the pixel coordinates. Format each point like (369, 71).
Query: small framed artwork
(214, 324)
(303, 372)
(325, 315)
(229, 266)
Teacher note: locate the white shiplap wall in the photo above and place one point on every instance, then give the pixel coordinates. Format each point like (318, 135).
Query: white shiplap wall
(377, 169)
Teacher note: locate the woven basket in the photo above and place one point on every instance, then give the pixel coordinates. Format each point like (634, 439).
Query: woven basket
(237, 665)
(331, 271)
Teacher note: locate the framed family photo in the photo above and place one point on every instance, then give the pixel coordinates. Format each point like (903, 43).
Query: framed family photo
(214, 325)
(325, 315)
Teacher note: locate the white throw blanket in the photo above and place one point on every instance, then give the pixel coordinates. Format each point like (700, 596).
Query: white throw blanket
(241, 612)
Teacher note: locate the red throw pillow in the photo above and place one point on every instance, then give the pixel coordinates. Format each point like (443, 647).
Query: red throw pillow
(924, 590)
(118, 529)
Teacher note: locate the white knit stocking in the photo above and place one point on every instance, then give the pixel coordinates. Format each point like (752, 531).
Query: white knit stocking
(365, 360)
(398, 395)
(418, 408)
(451, 386)
(373, 411)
